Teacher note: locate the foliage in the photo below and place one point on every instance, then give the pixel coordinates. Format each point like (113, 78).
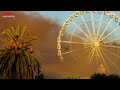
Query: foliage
(104, 76)
(113, 76)
(94, 76)
(98, 76)
(16, 57)
(41, 76)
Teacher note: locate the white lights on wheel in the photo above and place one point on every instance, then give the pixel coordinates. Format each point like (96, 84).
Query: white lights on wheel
(90, 40)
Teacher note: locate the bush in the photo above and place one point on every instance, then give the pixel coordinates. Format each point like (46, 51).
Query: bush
(99, 76)
(113, 76)
(104, 76)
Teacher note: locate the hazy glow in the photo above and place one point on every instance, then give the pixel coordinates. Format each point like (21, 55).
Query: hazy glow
(96, 44)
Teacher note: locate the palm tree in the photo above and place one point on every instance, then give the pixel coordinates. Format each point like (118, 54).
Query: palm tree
(16, 57)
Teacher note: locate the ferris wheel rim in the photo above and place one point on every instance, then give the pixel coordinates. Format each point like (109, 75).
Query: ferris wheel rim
(61, 30)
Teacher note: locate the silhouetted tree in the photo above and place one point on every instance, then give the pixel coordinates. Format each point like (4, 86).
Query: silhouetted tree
(104, 76)
(98, 76)
(113, 76)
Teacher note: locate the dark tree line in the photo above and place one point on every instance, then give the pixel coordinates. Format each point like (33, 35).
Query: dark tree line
(104, 76)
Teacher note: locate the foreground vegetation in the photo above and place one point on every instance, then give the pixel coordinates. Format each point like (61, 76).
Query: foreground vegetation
(94, 76)
(104, 76)
(16, 56)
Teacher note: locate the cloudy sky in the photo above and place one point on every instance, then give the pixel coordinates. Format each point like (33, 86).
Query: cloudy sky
(61, 16)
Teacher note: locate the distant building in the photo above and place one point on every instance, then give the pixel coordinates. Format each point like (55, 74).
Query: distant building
(101, 69)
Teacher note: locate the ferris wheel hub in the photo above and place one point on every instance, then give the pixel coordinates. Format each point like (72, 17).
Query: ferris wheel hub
(96, 44)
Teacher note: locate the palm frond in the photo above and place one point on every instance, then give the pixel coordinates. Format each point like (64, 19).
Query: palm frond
(16, 57)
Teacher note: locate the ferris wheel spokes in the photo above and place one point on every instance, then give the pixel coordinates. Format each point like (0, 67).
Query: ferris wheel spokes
(110, 46)
(77, 36)
(80, 29)
(92, 51)
(102, 58)
(93, 25)
(100, 22)
(105, 29)
(70, 42)
(112, 40)
(112, 53)
(108, 58)
(110, 33)
(74, 50)
(81, 55)
(86, 25)
(114, 64)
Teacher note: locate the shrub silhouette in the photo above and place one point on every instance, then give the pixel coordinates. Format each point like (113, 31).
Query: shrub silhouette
(104, 76)
(16, 57)
(113, 76)
(99, 76)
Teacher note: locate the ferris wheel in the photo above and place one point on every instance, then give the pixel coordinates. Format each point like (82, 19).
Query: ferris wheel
(92, 36)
